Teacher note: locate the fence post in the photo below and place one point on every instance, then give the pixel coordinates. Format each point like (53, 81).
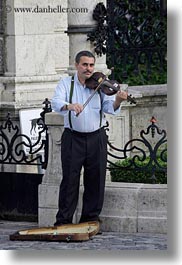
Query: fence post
(49, 188)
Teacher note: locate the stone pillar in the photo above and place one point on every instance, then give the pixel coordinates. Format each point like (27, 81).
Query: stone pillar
(80, 24)
(1, 38)
(37, 53)
(49, 189)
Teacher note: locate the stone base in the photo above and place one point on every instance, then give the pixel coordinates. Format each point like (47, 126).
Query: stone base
(154, 224)
(131, 208)
(128, 207)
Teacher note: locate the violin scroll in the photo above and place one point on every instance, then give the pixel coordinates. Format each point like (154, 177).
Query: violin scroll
(131, 99)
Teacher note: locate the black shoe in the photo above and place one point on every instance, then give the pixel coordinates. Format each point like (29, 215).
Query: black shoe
(90, 220)
(99, 220)
(58, 224)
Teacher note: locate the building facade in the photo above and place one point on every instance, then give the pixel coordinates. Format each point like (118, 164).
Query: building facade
(38, 43)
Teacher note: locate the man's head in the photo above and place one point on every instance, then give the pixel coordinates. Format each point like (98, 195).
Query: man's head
(84, 63)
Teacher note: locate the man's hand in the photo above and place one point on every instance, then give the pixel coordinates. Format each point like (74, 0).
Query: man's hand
(120, 96)
(75, 107)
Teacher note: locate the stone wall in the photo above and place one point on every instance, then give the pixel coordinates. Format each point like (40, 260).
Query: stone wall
(151, 101)
(133, 207)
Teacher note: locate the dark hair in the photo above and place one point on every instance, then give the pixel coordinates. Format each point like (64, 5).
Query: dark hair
(83, 53)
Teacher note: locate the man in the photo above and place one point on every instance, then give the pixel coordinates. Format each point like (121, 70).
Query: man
(84, 141)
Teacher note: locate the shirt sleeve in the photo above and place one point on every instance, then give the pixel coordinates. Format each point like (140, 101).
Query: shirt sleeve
(60, 97)
(107, 104)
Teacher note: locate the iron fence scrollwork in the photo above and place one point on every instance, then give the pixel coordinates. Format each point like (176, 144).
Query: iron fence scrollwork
(134, 153)
(13, 142)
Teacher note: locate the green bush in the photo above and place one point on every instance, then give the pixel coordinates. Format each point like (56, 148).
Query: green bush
(157, 76)
(138, 54)
(132, 175)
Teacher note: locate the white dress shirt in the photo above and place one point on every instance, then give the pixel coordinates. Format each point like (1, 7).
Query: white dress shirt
(89, 119)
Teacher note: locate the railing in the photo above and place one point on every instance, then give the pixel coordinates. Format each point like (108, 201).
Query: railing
(141, 153)
(12, 142)
(146, 159)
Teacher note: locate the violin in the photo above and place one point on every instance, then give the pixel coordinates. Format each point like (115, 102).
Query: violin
(109, 87)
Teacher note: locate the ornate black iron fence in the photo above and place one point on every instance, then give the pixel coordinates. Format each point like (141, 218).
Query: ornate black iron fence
(140, 154)
(133, 35)
(13, 142)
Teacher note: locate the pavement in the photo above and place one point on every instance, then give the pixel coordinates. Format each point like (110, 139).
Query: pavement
(105, 241)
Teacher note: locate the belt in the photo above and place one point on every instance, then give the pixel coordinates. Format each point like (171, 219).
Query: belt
(84, 133)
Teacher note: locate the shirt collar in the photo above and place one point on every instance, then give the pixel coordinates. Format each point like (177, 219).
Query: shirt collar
(77, 80)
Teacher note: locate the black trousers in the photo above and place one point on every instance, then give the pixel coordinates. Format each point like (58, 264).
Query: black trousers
(90, 151)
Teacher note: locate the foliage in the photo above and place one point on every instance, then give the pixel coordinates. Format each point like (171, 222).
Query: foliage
(157, 76)
(129, 173)
(137, 42)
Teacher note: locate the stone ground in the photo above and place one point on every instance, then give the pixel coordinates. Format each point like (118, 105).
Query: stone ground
(105, 241)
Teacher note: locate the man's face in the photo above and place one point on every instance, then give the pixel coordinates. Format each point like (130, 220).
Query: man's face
(85, 67)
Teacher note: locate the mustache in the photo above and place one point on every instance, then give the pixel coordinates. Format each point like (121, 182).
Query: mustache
(87, 72)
